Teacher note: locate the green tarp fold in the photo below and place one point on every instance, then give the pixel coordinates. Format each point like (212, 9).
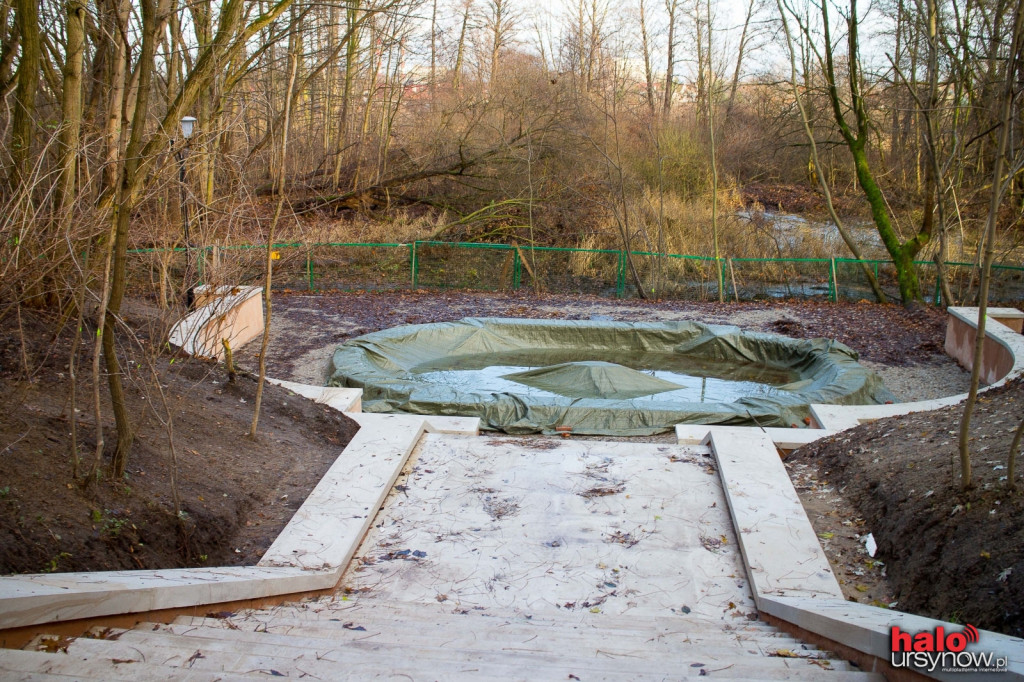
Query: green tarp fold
(593, 379)
(594, 396)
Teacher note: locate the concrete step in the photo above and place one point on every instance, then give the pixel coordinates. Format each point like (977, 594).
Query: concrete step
(362, 610)
(540, 640)
(590, 626)
(232, 653)
(16, 664)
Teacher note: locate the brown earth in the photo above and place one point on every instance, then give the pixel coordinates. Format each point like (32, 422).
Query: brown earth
(236, 494)
(947, 554)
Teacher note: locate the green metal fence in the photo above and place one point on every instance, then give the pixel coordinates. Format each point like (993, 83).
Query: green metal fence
(508, 267)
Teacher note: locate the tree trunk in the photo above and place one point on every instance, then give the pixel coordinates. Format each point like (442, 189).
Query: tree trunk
(741, 48)
(999, 185)
(71, 107)
(351, 53)
(114, 16)
(902, 253)
(122, 215)
(27, 77)
(293, 59)
(822, 180)
(714, 165)
(648, 72)
(670, 6)
(461, 49)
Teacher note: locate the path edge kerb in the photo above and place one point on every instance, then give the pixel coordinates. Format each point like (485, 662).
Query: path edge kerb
(792, 583)
(310, 554)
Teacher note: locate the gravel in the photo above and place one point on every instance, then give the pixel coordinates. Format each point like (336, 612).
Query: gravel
(923, 382)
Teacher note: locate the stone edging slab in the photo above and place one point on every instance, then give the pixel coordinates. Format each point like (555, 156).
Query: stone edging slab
(789, 574)
(788, 571)
(866, 629)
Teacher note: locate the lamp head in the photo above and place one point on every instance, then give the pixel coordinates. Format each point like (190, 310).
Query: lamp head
(188, 124)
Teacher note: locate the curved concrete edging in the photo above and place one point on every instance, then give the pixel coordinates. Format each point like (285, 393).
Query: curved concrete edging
(225, 312)
(1004, 360)
(790, 577)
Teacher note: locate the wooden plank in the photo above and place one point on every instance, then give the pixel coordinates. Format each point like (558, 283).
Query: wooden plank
(867, 629)
(235, 653)
(372, 609)
(462, 426)
(664, 646)
(710, 633)
(34, 665)
(534, 524)
(52, 597)
(341, 399)
(780, 548)
(785, 439)
(326, 530)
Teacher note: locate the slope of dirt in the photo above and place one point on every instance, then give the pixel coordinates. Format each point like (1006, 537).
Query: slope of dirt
(235, 494)
(947, 554)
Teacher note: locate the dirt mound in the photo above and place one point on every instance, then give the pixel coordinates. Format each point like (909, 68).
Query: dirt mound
(949, 555)
(236, 494)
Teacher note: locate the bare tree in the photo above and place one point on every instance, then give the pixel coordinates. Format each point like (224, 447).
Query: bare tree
(826, 192)
(1000, 183)
(672, 8)
(293, 61)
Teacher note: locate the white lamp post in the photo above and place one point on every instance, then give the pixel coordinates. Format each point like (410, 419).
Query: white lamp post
(188, 124)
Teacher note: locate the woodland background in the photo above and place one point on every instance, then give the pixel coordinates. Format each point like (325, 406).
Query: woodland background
(671, 126)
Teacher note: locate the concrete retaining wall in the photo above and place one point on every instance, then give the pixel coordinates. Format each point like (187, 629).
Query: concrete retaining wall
(232, 313)
(961, 335)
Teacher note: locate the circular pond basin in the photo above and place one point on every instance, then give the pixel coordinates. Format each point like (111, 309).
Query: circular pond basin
(609, 378)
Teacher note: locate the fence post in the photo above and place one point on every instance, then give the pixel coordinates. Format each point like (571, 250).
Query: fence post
(723, 293)
(732, 276)
(834, 281)
(620, 279)
(516, 270)
(309, 267)
(937, 298)
(413, 265)
(201, 265)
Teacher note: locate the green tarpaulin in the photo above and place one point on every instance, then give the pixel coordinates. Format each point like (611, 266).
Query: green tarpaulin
(590, 368)
(593, 379)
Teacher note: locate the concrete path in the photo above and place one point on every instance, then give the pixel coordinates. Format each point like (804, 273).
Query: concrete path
(496, 558)
(534, 525)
